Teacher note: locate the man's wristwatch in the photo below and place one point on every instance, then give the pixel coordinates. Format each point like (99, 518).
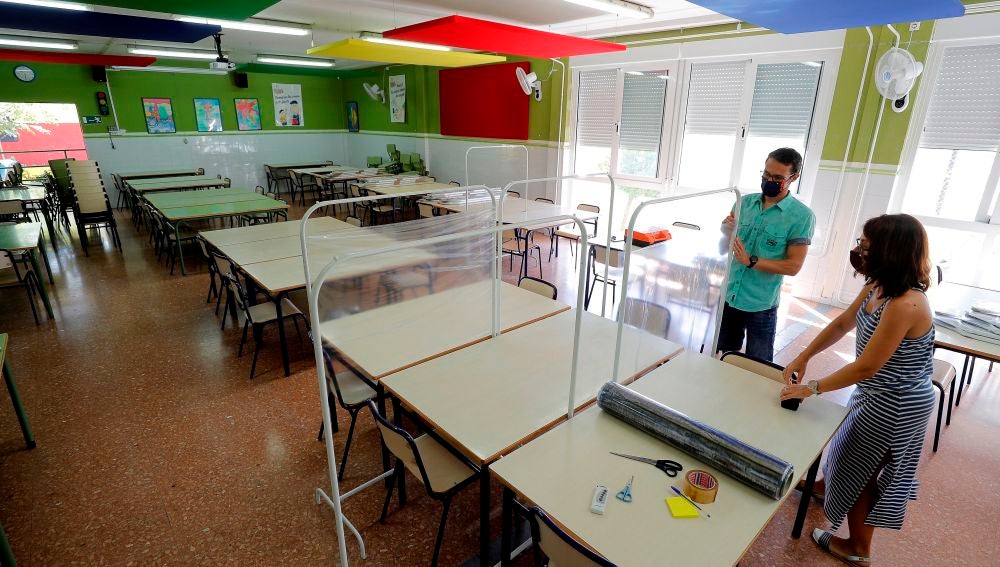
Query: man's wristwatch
(753, 261)
(813, 386)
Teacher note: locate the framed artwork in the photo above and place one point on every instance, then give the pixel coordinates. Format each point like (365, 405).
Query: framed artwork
(247, 113)
(208, 114)
(159, 115)
(288, 107)
(353, 121)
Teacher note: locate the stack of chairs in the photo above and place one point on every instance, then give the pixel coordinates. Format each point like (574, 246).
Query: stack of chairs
(91, 207)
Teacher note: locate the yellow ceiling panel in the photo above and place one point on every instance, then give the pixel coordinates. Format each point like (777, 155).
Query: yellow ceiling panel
(369, 51)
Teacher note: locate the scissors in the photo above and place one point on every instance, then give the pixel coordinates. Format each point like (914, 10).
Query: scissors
(670, 468)
(625, 494)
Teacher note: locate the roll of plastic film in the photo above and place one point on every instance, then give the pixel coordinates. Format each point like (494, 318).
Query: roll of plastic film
(701, 487)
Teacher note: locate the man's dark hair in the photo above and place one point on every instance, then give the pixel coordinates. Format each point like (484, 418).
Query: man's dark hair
(787, 156)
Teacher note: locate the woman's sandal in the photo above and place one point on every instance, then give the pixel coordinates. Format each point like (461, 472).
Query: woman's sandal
(817, 496)
(823, 538)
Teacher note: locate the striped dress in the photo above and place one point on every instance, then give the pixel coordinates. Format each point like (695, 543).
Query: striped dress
(887, 421)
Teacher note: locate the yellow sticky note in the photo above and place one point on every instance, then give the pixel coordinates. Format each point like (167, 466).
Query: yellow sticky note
(681, 508)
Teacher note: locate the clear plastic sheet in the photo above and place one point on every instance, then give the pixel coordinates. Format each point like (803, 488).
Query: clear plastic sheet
(674, 287)
(757, 469)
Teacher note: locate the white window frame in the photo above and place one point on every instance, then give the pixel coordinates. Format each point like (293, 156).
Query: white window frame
(817, 130)
(932, 69)
(662, 166)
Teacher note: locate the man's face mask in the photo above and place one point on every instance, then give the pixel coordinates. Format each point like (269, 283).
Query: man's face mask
(770, 188)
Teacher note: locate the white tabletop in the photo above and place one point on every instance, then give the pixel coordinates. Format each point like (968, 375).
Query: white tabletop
(392, 189)
(492, 396)
(558, 471)
(263, 250)
(317, 225)
(387, 339)
(514, 209)
(959, 298)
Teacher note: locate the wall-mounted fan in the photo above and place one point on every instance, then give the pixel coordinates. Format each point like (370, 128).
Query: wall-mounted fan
(529, 83)
(375, 92)
(895, 74)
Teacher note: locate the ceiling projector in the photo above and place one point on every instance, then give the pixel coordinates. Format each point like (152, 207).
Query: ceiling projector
(222, 65)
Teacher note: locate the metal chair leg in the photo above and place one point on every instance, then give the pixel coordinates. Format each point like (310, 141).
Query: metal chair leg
(940, 412)
(347, 445)
(388, 494)
(440, 534)
(243, 339)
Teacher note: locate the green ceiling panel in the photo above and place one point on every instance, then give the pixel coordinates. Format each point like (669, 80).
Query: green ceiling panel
(222, 9)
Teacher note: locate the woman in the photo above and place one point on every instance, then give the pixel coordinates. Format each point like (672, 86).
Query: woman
(870, 472)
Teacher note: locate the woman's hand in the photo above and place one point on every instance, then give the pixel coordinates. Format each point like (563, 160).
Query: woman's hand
(796, 369)
(795, 391)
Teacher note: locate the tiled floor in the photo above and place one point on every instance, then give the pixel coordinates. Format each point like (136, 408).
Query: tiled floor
(155, 449)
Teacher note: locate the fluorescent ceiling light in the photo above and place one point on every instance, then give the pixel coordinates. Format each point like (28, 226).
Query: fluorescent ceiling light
(620, 7)
(402, 43)
(297, 62)
(17, 41)
(50, 4)
(246, 26)
(162, 69)
(174, 54)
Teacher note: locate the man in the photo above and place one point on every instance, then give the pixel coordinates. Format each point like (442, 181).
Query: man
(771, 242)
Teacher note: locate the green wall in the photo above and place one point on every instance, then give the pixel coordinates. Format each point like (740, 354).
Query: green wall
(892, 133)
(322, 101)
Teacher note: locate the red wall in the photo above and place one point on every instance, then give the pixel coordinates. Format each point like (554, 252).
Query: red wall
(484, 102)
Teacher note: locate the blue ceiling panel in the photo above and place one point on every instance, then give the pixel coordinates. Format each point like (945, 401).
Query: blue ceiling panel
(54, 20)
(797, 16)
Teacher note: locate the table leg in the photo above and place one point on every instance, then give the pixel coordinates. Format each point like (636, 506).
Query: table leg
(484, 516)
(380, 402)
(48, 222)
(41, 283)
(45, 259)
(15, 398)
(281, 334)
(180, 251)
(506, 535)
(800, 517)
(397, 418)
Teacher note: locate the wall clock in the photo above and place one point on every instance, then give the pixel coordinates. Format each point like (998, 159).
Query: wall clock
(24, 73)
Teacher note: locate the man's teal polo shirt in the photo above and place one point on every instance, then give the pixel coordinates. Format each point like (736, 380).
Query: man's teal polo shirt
(766, 234)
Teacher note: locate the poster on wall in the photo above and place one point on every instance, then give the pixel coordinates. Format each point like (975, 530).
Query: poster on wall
(159, 116)
(247, 114)
(287, 104)
(208, 114)
(397, 98)
(353, 120)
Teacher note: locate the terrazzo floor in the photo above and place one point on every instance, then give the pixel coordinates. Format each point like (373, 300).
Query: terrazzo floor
(155, 449)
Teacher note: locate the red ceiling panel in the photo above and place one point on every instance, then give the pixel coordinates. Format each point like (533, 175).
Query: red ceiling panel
(483, 35)
(75, 58)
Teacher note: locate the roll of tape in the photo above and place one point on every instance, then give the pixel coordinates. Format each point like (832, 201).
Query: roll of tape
(701, 487)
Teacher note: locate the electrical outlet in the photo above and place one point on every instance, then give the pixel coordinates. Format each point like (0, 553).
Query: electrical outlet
(914, 26)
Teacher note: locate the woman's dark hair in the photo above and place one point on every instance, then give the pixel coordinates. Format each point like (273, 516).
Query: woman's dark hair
(897, 258)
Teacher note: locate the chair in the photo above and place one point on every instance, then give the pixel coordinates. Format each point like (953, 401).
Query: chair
(354, 221)
(753, 364)
(440, 471)
(374, 161)
(258, 316)
(352, 393)
(13, 211)
(91, 206)
(298, 184)
(213, 269)
(15, 271)
(376, 210)
(572, 234)
(943, 377)
(426, 211)
(396, 282)
(558, 546)
(514, 235)
(614, 259)
(646, 315)
(227, 182)
(541, 287)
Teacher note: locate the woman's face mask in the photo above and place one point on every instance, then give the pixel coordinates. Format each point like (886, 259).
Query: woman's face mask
(857, 257)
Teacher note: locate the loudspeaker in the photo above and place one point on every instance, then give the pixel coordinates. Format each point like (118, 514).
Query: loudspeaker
(100, 73)
(242, 80)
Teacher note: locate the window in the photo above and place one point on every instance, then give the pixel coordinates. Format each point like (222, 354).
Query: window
(956, 164)
(727, 136)
(620, 122)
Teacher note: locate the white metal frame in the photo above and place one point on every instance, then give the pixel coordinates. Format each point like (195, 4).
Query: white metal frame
(628, 263)
(988, 213)
(669, 98)
(314, 285)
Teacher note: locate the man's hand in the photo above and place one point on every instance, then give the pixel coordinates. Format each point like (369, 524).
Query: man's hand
(729, 221)
(740, 253)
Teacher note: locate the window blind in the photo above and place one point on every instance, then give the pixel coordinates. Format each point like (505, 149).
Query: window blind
(642, 110)
(964, 111)
(783, 98)
(714, 94)
(595, 124)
